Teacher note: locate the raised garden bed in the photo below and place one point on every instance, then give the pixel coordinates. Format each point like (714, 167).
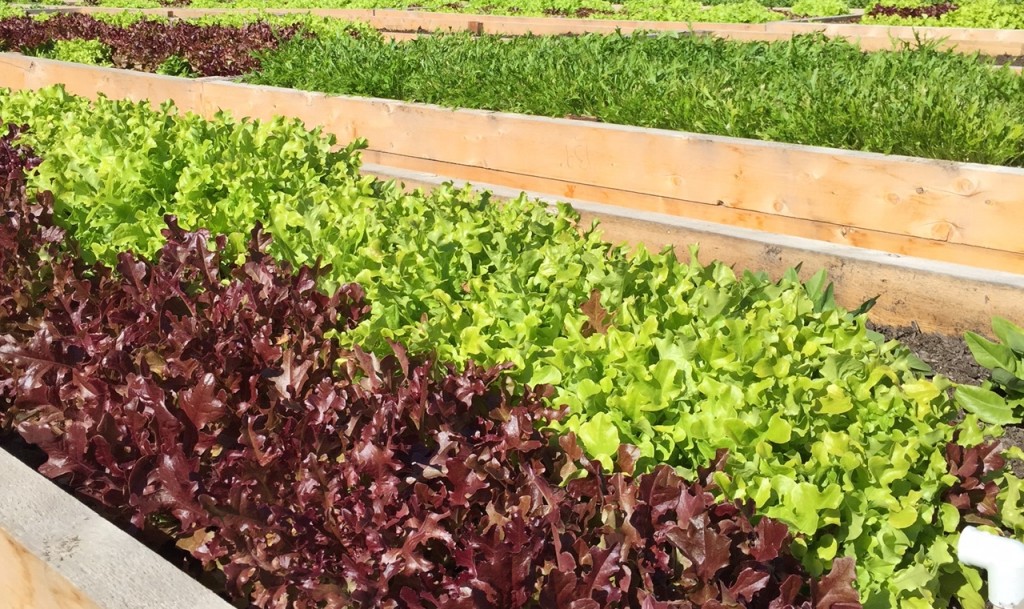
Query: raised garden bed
(77, 38)
(444, 227)
(869, 37)
(304, 480)
(983, 13)
(909, 290)
(942, 211)
(745, 11)
(900, 313)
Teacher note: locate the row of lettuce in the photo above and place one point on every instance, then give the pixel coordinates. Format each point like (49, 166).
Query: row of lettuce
(739, 11)
(209, 46)
(199, 397)
(194, 384)
(935, 13)
(917, 101)
(992, 14)
(964, 13)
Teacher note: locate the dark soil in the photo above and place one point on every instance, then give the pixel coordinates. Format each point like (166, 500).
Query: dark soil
(947, 355)
(580, 117)
(580, 13)
(23, 451)
(1013, 60)
(840, 19)
(950, 357)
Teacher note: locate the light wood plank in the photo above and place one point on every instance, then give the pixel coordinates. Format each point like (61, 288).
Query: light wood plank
(13, 71)
(823, 231)
(34, 73)
(942, 201)
(51, 528)
(903, 32)
(27, 582)
(873, 43)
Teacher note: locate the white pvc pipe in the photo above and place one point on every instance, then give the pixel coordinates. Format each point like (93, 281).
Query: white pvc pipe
(1002, 558)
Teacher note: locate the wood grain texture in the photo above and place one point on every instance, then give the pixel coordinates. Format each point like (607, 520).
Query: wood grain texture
(920, 207)
(923, 199)
(941, 201)
(939, 297)
(66, 553)
(33, 73)
(936, 301)
(26, 582)
(823, 231)
(899, 31)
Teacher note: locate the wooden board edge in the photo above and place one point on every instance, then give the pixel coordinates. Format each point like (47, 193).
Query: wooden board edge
(840, 234)
(105, 564)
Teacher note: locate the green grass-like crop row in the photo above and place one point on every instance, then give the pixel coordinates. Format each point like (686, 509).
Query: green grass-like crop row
(829, 428)
(808, 90)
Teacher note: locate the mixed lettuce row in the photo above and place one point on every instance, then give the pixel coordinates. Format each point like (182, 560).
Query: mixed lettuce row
(1001, 14)
(749, 11)
(150, 45)
(208, 406)
(811, 419)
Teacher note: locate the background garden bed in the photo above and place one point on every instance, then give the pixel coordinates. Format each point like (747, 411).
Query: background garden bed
(410, 254)
(992, 42)
(939, 211)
